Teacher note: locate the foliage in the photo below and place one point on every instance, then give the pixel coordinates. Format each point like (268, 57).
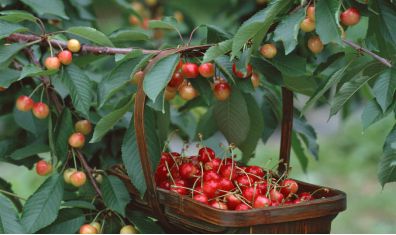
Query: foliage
(100, 86)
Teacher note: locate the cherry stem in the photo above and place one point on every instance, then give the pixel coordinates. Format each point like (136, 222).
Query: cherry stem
(195, 183)
(192, 190)
(102, 226)
(42, 94)
(244, 172)
(119, 217)
(169, 172)
(12, 194)
(35, 89)
(74, 158)
(326, 190)
(50, 47)
(98, 214)
(192, 34)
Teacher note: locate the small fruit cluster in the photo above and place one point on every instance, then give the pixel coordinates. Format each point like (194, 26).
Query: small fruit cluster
(81, 128)
(179, 83)
(40, 110)
(224, 183)
(95, 228)
(349, 17)
(64, 57)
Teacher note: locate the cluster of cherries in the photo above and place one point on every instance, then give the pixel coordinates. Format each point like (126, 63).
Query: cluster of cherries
(349, 17)
(96, 228)
(224, 183)
(188, 70)
(64, 57)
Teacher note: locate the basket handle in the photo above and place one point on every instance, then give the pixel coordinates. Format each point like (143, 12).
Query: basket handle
(286, 132)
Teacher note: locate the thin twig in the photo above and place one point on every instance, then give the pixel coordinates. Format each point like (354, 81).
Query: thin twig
(12, 194)
(89, 171)
(362, 49)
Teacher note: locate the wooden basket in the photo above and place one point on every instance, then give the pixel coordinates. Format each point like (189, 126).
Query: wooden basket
(181, 214)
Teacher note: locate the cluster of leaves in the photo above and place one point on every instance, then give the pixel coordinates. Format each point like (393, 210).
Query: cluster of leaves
(98, 88)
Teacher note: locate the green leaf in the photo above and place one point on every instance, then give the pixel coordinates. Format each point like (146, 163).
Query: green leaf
(7, 77)
(79, 204)
(130, 151)
(9, 220)
(372, 113)
(307, 134)
(41, 209)
(160, 74)
(224, 66)
(9, 28)
(287, 30)
(7, 187)
(249, 144)
(30, 150)
(32, 70)
(206, 126)
(332, 80)
(8, 51)
(216, 34)
(64, 128)
(27, 121)
(385, 87)
(327, 23)
(16, 16)
(91, 34)
(68, 222)
(45, 7)
(232, 118)
(387, 165)
(128, 35)
(298, 149)
(115, 194)
(143, 223)
(269, 109)
(257, 25)
(217, 50)
(165, 23)
(291, 65)
(347, 90)
(388, 19)
(79, 87)
(131, 159)
(107, 122)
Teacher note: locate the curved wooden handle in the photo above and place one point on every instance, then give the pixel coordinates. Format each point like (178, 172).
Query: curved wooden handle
(287, 127)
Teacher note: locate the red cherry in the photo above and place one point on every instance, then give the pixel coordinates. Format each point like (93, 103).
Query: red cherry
(179, 187)
(226, 184)
(262, 188)
(239, 74)
(83, 126)
(179, 65)
(210, 188)
(198, 189)
(222, 91)
(305, 196)
(65, 57)
(307, 25)
(255, 171)
(40, 110)
(176, 80)
(77, 140)
(311, 12)
(261, 202)
(202, 198)
(288, 202)
(78, 179)
(190, 70)
(232, 201)
(24, 103)
(206, 154)
(244, 181)
(276, 196)
(161, 173)
(250, 193)
(165, 185)
(213, 165)
(268, 50)
(229, 172)
(211, 175)
(275, 203)
(315, 44)
(289, 186)
(188, 170)
(206, 70)
(219, 205)
(166, 157)
(187, 92)
(350, 16)
(43, 168)
(297, 201)
(88, 229)
(242, 207)
(52, 63)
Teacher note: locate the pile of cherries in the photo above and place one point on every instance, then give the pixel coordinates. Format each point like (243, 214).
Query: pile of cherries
(225, 183)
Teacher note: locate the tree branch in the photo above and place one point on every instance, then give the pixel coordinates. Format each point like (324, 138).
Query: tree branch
(362, 49)
(90, 172)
